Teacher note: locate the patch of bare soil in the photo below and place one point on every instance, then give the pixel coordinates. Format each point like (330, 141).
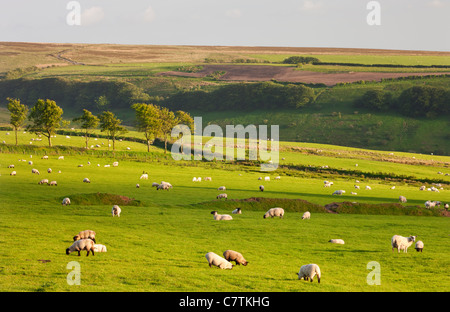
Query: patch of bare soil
(289, 74)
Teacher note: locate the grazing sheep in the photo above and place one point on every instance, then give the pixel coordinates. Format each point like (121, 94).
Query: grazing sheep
(308, 271)
(208, 179)
(99, 248)
(13, 173)
(221, 188)
(53, 183)
(422, 188)
(144, 176)
(221, 217)
(393, 188)
(163, 187)
(237, 211)
(402, 199)
(86, 180)
(260, 178)
(274, 212)
(35, 171)
(353, 193)
(138, 186)
(61, 157)
(85, 235)
(45, 157)
(82, 244)
(337, 241)
(338, 192)
(30, 162)
(419, 246)
(266, 178)
(166, 183)
(49, 170)
(11, 166)
(277, 178)
(214, 259)
(115, 164)
(402, 243)
(261, 188)
(430, 204)
(194, 179)
(306, 215)
(223, 195)
(357, 187)
(66, 201)
(116, 211)
(43, 181)
(368, 187)
(154, 184)
(231, 255)
(446, 206)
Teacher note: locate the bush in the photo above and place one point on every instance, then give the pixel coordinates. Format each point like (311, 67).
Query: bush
(300, 60)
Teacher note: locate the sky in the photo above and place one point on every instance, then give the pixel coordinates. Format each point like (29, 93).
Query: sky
(383, 24)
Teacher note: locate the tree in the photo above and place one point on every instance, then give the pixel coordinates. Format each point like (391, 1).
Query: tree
(185, 119)
(19, 113)
(88, 121)
(147, 117)
(111, 124)
(46, 118)
(168, 121)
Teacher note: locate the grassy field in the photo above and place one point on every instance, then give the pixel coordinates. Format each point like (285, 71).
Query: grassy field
(159, 244)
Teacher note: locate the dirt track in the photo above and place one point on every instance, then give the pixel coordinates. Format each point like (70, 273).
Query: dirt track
(288, 74)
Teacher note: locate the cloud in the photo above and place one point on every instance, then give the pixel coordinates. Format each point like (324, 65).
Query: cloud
(149, 15)
(92, 16)
(436, 4)
(311, 5)
(234, 13)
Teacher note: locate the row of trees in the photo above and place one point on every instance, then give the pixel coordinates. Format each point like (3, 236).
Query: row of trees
(46, 116)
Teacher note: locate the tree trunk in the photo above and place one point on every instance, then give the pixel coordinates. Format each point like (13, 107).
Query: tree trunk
(86, 136)
(15, 128)
(165, 146)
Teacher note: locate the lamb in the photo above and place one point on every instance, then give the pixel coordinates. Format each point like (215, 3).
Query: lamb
(82, 244)
(402, 243)
(337, 241)
(231, 255)
(274, 212)
(419, 246)
(221, 188)
(306, 215)
(116, 211)
(53, 183)
(219, 217)
(402, 199)
(85, 235)
(338, 192)
(308, 271)
(66, 201)
(237, 211)
(214, 259)
(86, 180)
(261, 188)
(43, 181)
(223, 195)
(35, 171)
(99, 248)
(144, 176)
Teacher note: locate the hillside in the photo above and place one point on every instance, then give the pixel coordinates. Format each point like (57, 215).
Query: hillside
(75, 75)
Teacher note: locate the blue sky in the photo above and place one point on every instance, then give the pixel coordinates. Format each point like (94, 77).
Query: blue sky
(405, 24)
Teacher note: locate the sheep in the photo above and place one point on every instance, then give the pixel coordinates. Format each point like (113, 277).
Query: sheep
(338, 192)
(162, 187)
(274, 212)
(85, 235)
(194, 179)
(30, 162)
(51, 183)
(35, 171)
(221, 217)
(86, 180)
(368, 187)
(353, 193)
(402, 199)
(327, 184)
(49, 170)
(214, 259)
(223, 195)
(154, 184)
(13, 173)
(82, 244)
(144, 176)
(430, 204)
(277, 178)
(308, 271)
(45, 157)
(260, 178)
(61, 158)
(266, 178)
(306, 215)
(357, 187)
(115, 164)
(237, 211)
(231, 255)
(66, 201)
(446, 206)
(419, 246)
(99, 248)
(208, 179)
(402, 243)
(261, 188)
(116, 211)
(393, 187)
(166, 183)
(11, 166)
(422, 188)
(337, 241)
(221, 188)
(43, 181)
(138, 186)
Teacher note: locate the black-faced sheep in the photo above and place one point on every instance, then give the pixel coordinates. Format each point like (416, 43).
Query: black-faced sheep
(306, 215)
(86, 180)
(66, 201)
(116, 211)
(261, 188)
(419, 246)
(85, 235)
(402, 199)
(82, 244)
(231, 255)
(223, 195)
(237, 211)
(337, 241)
(214, 259)
(308, 271)
(274, 212)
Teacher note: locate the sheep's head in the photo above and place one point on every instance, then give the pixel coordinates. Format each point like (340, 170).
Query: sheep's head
(76, 237)
(67, 251)
(213, 212)
(413, 238)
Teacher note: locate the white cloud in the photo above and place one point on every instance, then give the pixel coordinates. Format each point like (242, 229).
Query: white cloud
(311, 5)
(234, 13)
(436, 4)
(92, 16)
(149, 15)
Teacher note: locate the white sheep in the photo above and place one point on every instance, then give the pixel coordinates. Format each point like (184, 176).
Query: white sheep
(402, 199)
(115, 164)
(99, 248)
(446, 206)
(215, 259)
(86, 180)
(266, 178)
(84, 235)
(49, 170)
(43, 181)
(419, 246)
(194, 179)
(402, 243)
(13, 173)
(221, 188)
(306, 215)
(422, 188)
(237, 211)
(61, 157)
(11, 166)
(231, 255)
(223, 195)
(66, 201)
(144, 176)
(116, 211)
(220, 217)
(45, 157)
(261, 188)
(35, 171)
(357, 187)
(137, 185)
(277, 178)
(338, 192)
(274, 212)
(163, 186)
(368, 187)
(308, 271)
(430, 204)
(393, 187)
(82, 244)
(53, 183)
(208, 179)
(337, 241)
